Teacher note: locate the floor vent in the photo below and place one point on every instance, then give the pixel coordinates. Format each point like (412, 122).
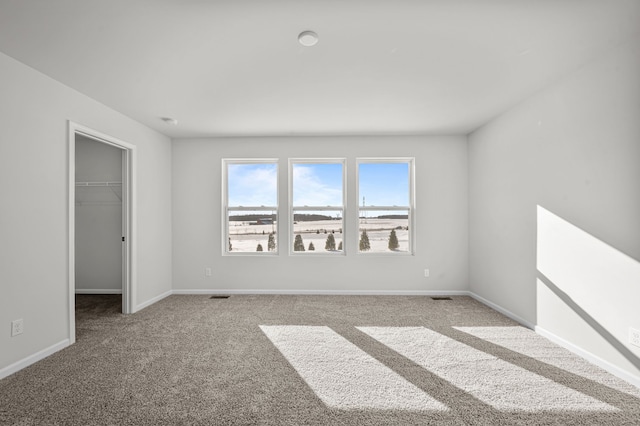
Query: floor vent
(441, 298)
(219, 297)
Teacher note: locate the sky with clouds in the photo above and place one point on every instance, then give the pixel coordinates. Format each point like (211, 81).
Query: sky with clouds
(318, 184)
(253, 185)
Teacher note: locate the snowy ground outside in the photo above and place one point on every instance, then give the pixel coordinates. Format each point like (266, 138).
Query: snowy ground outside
(245, 237)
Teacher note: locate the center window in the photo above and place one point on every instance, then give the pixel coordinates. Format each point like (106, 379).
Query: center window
(317, 206)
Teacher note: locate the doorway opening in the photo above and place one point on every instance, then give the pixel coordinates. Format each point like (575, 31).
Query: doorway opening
(101, 219)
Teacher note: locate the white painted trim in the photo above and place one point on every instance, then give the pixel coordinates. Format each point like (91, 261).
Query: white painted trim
(71, 225)
(323, 292)
(32, 359)
(98, 291)
(502, 310)
(129, 226)
(594, 359)
(152, 301)
(613, 369)
(132, 229)
(40, 355)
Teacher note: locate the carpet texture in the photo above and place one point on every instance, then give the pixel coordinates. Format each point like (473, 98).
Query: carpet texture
(311, 360)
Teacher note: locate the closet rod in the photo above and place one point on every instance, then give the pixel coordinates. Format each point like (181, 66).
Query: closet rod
(98, 183)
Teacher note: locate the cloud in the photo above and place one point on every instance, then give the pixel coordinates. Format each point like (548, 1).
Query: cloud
(253, 185)
(310, 189)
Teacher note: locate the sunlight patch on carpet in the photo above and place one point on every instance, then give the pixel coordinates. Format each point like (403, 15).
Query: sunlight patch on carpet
(344, 376)
(496, 382)
(529, 343)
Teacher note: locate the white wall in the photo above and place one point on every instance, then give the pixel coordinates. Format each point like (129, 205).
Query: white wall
(554, 189)
(441, 225)
(98, 218)
(34, 193)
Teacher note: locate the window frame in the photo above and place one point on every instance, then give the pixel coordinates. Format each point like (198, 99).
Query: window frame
(226, 209)
(293, 209)
(411, 208)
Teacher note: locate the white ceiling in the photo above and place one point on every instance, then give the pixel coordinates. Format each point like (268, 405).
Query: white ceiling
(381, 67)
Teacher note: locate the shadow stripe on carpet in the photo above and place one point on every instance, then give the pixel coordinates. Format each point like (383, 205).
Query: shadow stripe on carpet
(503, 385)
(344, 376)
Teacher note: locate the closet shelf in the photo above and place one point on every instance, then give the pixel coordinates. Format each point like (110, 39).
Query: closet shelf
(98, 183)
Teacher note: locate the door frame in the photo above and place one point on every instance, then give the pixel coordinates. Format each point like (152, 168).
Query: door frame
(129, 228)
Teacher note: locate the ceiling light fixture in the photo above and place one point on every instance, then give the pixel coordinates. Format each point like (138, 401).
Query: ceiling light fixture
(170, 120)
(308, 38)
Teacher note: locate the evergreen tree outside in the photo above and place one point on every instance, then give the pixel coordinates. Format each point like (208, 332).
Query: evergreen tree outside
(271, 244)
(393, 240)
(259, 248)
(230, 246)
(298, 245)
(312, 247)
(365, 245)
(340, 246)
(331, 243)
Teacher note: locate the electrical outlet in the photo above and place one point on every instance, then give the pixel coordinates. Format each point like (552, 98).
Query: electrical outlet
(634, 336)
(17, 327)
(426, 273)
(207, 272)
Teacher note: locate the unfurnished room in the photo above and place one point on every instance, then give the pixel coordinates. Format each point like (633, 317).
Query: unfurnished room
(306, 212)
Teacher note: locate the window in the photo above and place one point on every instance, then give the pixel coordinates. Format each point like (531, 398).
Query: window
(250, 203)
(385, 193)
(317, 206)
(386, 210)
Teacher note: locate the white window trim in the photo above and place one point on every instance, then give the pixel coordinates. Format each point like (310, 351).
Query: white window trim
(226, 208)
(342, 208)
(411, 207)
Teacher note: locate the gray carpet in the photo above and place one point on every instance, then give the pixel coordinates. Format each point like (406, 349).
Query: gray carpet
(311, 360)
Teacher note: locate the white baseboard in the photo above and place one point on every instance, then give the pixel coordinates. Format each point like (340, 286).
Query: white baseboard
(634, 380)
(31, 359)
(151, 301)
(502, 310)
(98, 291)
(594, 359)
(323, 292)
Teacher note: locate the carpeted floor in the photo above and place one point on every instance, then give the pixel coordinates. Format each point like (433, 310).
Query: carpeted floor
(311, 360)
